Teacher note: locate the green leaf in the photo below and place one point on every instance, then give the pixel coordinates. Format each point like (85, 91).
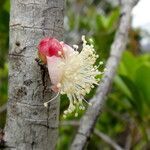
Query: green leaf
(7, 5)
(113, 18)
(136, 99)
(128, 65)
(142, 80)
(123, 87)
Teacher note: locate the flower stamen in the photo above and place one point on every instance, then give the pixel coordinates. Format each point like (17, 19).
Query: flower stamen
(46, 103)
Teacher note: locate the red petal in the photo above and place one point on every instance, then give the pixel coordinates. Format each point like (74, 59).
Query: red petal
(49, 47)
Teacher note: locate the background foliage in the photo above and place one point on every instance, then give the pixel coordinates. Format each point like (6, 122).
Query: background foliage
(4, 35)
(126, 116)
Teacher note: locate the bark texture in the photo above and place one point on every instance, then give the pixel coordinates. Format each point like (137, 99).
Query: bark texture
(88, 121)
(31, 126)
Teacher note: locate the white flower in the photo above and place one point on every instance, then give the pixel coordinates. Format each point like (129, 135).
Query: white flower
(74, 73)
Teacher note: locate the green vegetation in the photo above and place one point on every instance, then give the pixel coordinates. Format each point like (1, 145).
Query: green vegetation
(4, 35)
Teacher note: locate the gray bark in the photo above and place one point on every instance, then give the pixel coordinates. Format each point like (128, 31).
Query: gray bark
(89, 119)
(31, 126)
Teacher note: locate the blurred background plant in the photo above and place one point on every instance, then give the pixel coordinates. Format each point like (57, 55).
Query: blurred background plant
(4, 38)
(126, 117)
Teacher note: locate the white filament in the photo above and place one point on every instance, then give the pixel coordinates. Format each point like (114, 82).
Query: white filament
(46, 103)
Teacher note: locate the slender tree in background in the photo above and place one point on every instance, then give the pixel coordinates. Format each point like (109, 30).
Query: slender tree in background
(88, 121)
(29, 124)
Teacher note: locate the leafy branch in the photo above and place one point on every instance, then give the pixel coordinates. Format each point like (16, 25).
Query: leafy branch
(88, 121)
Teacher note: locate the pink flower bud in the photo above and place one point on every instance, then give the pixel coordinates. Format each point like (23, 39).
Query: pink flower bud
(49, 47)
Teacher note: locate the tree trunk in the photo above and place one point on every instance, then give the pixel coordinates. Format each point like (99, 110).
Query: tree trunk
(31, 126)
